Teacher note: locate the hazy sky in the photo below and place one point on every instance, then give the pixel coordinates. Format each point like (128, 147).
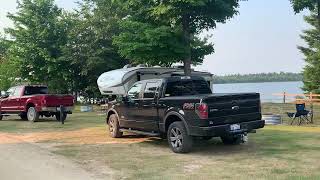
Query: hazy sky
(262, 38)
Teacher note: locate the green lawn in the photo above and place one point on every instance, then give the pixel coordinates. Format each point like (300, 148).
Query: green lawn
(275, 152)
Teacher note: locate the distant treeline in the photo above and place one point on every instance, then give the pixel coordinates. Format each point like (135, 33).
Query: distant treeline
(262, 77)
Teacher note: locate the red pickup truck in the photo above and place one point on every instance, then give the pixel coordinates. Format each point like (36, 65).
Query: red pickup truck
(31, 102)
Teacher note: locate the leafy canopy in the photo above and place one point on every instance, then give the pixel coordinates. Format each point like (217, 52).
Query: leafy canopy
(300, 5)
(37, 36)
(163, 32)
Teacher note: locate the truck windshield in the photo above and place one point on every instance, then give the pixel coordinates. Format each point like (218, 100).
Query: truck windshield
(35, 90)
(187, 87)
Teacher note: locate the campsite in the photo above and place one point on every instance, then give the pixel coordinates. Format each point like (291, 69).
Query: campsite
(155, 89)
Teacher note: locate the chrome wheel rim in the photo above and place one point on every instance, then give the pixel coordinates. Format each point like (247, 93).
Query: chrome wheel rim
(111, 126)
(176, 137)
(31, 114)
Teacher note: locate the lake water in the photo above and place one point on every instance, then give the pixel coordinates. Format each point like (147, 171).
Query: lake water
(265, 89)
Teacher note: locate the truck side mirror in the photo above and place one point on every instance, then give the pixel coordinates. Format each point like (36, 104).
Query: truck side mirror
(125, 98)
(156, 94)
(4, 94)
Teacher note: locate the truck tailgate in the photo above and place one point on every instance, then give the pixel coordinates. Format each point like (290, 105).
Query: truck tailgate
(58, 100)
(233, 108)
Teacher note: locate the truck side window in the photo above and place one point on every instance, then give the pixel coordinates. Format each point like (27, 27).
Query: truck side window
(17, 92)
(134, 92)
(150, 90)
(11, 91)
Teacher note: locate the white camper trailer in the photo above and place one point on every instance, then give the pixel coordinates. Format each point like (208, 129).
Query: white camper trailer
(117, 82)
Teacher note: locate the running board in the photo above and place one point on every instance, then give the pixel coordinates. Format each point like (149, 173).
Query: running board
(140, 132)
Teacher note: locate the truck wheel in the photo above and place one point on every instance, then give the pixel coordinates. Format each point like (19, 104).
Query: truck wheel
(114, 127)
(231, 140)
(32, 114)
(64, 116)
(23, 116)
(178, 138)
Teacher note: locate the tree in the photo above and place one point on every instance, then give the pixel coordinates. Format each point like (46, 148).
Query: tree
(89, 48)
(6, 68)
(312, 55)
(38, 34)
(167, 31)
(312, 5)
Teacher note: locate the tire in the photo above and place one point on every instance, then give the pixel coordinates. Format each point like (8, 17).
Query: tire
(231, 140)
(1, 117)
(114, 127)
(23, 116)
(32, 114)
(64, 116)
(178, 138)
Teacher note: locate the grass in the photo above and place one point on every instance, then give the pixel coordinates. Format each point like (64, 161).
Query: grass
(270, 154)
(275, 152)
(75, 121)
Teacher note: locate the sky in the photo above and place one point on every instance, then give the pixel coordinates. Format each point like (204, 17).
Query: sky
(263, 37)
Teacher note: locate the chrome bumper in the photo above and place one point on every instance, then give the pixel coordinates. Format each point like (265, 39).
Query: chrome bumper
(57, 109)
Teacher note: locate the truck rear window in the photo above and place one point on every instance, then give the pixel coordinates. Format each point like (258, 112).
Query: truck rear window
(187, 87)
(35, 90)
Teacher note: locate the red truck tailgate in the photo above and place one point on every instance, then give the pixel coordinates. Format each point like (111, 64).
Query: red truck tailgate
(58, 100)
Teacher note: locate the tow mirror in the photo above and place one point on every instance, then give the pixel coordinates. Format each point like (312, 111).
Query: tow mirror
(4, 94)
(125, 98)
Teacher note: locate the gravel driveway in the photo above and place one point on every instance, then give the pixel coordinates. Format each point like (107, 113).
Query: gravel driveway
(28, 161)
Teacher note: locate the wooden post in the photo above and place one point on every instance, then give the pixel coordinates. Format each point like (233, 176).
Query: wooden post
(284, 97)
(311, 104)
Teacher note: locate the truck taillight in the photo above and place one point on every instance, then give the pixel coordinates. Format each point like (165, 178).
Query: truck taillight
(44, 102)
(202, 110)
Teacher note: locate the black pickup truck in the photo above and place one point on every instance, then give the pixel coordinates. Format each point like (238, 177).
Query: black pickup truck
(182, 108)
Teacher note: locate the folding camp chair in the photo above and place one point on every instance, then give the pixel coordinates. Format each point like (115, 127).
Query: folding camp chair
(301, 114)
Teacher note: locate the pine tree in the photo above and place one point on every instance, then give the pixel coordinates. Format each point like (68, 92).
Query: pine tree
(311, 52)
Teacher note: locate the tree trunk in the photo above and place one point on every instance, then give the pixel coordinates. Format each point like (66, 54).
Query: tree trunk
(187, 41)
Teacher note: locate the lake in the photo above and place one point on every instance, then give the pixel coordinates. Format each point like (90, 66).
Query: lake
(265, 89)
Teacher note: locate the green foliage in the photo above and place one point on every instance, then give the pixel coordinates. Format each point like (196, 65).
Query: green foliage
(166, 32)
(300, 5)
(262, 77)
(66, 51)
(90, 48)
(312, 55)
(8, 71)
(38, 33)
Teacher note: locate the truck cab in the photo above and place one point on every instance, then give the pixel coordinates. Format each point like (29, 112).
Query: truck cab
(182, 108)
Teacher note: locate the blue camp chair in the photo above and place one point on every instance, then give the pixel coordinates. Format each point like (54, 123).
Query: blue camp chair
(301, 114)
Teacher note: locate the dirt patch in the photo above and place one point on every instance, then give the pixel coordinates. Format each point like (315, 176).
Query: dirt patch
(83, 136)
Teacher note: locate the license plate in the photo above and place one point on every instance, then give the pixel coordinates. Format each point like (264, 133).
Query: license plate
(235, 127)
